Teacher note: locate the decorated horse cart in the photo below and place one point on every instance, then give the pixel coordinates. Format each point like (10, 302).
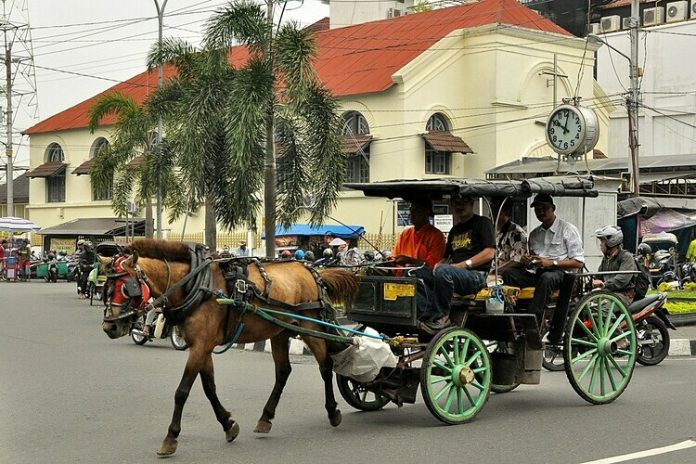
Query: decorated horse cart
(493, 345)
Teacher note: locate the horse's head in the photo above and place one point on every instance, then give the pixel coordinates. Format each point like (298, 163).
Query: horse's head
(125, 295)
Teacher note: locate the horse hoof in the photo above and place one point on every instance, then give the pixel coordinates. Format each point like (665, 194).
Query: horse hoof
(336, 419)
(168, 448)
(232, 432)
(263, 427)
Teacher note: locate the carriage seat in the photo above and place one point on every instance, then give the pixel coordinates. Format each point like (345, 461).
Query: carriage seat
(509, 293)
(527, 293)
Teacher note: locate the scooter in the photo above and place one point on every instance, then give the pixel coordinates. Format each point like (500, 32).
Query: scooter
(652, 322)
(162, 330)
(51, 271)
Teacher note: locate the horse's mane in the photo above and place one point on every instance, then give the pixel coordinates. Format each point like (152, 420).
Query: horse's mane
(161, 249)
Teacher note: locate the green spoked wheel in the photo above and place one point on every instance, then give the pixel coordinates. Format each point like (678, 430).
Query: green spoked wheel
(456, 376)
(358, 396)
(600, 348)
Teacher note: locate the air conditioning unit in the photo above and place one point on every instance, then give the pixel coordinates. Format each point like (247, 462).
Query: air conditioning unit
(653, 16)
(626, 23)
(693, 9)
(677, 11)
(611, 23)
(595, 29)
(393, 12)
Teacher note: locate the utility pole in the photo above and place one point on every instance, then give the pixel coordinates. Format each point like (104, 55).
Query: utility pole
(634, 98)
(158, 140)
(20, 81)
(8, 115)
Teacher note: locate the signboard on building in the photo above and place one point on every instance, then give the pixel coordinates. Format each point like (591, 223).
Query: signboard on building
(444, 222)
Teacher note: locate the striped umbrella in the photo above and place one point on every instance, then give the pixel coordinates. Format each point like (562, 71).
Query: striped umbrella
(15, 224)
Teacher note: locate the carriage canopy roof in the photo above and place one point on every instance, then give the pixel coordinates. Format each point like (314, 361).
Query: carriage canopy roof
(566, 186)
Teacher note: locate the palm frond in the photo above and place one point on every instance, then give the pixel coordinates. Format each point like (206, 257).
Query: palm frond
(112, 103)
(176, 52)
(295, 52)
(124, 182)
(240, 22)
(292, 175)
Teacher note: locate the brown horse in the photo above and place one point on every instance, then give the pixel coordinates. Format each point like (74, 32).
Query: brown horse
(160, 264)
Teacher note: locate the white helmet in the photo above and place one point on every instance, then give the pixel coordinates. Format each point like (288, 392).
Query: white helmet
(612, 235)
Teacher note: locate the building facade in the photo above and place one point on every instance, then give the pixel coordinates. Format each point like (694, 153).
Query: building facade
(451, 92)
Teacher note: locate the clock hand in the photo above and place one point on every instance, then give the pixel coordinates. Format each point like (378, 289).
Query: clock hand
(565, 128)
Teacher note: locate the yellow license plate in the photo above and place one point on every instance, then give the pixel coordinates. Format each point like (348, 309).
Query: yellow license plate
(393, 291)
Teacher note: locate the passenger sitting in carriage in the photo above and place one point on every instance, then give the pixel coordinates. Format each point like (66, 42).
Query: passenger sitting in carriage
(555, 246)
(510, 238)
(467, 260)
(421, 244)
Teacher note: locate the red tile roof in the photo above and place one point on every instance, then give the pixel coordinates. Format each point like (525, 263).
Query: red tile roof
(352, 60)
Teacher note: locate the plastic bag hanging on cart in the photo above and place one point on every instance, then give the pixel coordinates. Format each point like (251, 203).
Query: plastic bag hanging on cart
(363, 360)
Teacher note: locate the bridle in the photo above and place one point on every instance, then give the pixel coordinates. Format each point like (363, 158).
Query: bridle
(125, 290)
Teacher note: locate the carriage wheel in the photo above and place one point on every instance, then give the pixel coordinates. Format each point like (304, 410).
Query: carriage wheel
(600, 348)
(359, 397)
(456, 376)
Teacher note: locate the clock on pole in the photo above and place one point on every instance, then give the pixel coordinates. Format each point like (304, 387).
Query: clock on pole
(572, 130)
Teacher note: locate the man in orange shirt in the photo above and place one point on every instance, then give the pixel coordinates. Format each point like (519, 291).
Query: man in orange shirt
(421, 244)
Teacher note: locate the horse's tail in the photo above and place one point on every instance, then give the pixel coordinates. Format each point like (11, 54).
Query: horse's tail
(341, 285)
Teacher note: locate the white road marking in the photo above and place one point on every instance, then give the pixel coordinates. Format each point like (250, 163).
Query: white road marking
(644, 454)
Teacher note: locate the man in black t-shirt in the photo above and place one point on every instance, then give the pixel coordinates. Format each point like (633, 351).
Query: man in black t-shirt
(470, 250)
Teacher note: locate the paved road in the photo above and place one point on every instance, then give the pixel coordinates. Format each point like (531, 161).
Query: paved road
(68, 394)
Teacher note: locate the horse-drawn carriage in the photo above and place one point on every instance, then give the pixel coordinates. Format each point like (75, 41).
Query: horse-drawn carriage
(104, 252)
(489, 347)
(486, 350)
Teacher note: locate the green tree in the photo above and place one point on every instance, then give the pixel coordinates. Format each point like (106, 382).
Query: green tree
(133, 137)
(420, 6)
(275, 99)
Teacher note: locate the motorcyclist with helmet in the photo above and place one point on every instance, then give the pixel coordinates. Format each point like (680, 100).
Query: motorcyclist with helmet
(615, 259)
(85, 261)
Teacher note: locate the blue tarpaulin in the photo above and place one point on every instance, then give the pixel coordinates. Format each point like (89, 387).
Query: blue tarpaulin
(347, 231)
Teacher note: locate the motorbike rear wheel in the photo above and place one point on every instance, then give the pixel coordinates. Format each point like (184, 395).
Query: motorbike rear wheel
(138, 338)
(653, 341)
(176, 339)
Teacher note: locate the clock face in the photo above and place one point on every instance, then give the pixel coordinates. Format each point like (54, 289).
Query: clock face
(564, 130)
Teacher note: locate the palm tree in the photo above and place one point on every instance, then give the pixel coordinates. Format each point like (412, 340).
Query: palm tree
(273, 98)
(193, 105)
(131, 160)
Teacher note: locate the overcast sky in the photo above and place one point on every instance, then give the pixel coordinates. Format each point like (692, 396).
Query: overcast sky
(105, 41)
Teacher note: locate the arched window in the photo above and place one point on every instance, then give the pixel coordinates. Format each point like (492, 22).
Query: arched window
(437, 161)
(356, 147)
(55, 183)
(100, 144)
(97, 146)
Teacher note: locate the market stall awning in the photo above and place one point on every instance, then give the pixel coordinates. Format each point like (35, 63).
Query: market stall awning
(15, 224)
(446, 141)
(346, 231)
(96, 226)
(47, 169)
(84, 168)
(354, 144)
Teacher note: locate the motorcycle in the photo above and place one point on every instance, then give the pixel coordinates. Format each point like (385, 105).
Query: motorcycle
(51, 271)
(651, 320)
(688, 272)
(162, 330)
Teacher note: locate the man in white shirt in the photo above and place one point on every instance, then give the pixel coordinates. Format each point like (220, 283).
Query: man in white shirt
(555, 247)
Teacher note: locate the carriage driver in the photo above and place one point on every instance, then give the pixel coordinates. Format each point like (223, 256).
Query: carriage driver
(555, 247)
(467, 260)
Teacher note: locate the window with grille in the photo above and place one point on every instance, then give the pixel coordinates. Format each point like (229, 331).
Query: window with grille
(101, 144)
(437, 162)
(55, 184)
(358, 163)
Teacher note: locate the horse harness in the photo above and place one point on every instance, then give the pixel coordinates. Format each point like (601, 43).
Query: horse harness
(133, 292)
